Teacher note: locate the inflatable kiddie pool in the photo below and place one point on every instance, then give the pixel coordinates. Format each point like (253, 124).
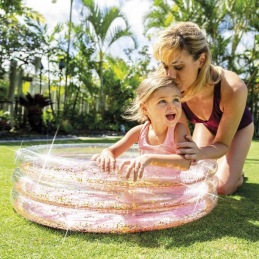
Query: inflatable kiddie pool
(60, 187)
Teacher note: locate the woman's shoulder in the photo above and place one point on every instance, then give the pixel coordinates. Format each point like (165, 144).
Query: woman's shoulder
(232, 85)
(230, 81)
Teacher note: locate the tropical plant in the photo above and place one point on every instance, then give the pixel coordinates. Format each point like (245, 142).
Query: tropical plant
(228, 25)
(19, 43)
(5, 120)
(68, 37)
(18, 39)
(104, 31)
(34, 109)
(121, 80)
(225, 23)
(81, 70)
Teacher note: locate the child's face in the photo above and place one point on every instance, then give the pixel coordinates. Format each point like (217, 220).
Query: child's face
(164, 107)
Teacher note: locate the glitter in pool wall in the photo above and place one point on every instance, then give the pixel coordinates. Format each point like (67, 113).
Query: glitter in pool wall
(60, 187)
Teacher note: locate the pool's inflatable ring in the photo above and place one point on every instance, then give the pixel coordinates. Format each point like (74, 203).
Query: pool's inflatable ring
(59, 186)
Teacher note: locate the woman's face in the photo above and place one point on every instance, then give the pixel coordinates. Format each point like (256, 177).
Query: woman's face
(181, 66)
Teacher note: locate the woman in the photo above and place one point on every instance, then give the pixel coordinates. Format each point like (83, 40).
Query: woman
(213, 98)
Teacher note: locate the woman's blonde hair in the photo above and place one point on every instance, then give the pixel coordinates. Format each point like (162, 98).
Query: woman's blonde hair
(144, 92)
(189, 37)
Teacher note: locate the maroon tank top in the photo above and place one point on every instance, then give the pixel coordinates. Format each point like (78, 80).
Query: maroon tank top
(213, 122)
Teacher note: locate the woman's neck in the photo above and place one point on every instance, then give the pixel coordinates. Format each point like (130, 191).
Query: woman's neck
(206, 94)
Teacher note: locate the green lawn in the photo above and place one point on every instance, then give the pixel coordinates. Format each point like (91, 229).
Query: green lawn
(231, 230)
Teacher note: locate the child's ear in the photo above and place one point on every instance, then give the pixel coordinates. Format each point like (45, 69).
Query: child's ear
(143, 108)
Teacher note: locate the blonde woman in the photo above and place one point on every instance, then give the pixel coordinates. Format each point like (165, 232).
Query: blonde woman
(158, 107)
(214, 99)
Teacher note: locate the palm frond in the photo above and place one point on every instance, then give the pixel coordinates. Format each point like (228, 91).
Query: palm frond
(117, 33)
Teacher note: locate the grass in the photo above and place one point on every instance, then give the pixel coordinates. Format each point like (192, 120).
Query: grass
(231, 230)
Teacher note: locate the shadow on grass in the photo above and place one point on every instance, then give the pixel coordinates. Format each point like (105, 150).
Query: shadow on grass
(252, 160)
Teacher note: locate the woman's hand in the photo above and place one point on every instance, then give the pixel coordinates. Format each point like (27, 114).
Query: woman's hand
(189, 150)
(105, 160)
(135, 166)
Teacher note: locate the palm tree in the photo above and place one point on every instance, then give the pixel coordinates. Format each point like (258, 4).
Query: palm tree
(229, 24)
(208, 14)
(68, 48)
(101, 26)
(226, 23)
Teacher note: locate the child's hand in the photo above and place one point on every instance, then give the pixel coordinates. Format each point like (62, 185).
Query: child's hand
(105, 161)
(135, 166)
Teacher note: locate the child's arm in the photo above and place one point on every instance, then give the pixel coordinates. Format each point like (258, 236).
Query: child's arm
(137, 165)
(172, 160)
(106, 159)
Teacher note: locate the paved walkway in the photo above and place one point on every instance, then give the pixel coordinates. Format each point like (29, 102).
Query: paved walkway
(35, 139)
(43, 138)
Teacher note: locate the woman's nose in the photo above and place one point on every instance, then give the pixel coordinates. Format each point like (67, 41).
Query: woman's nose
(171, 72)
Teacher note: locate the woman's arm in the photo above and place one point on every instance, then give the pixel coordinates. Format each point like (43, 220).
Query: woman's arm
(232, 104)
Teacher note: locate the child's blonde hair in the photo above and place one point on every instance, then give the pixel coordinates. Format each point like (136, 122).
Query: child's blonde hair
(189, 37)
(144, 93)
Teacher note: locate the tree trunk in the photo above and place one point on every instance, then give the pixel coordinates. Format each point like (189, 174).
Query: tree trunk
(12, 79)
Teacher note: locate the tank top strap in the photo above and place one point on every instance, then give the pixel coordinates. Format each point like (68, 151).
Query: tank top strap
(143, 135)
(217, 92)
(169, 140)
(168, 147)
(216, 112)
